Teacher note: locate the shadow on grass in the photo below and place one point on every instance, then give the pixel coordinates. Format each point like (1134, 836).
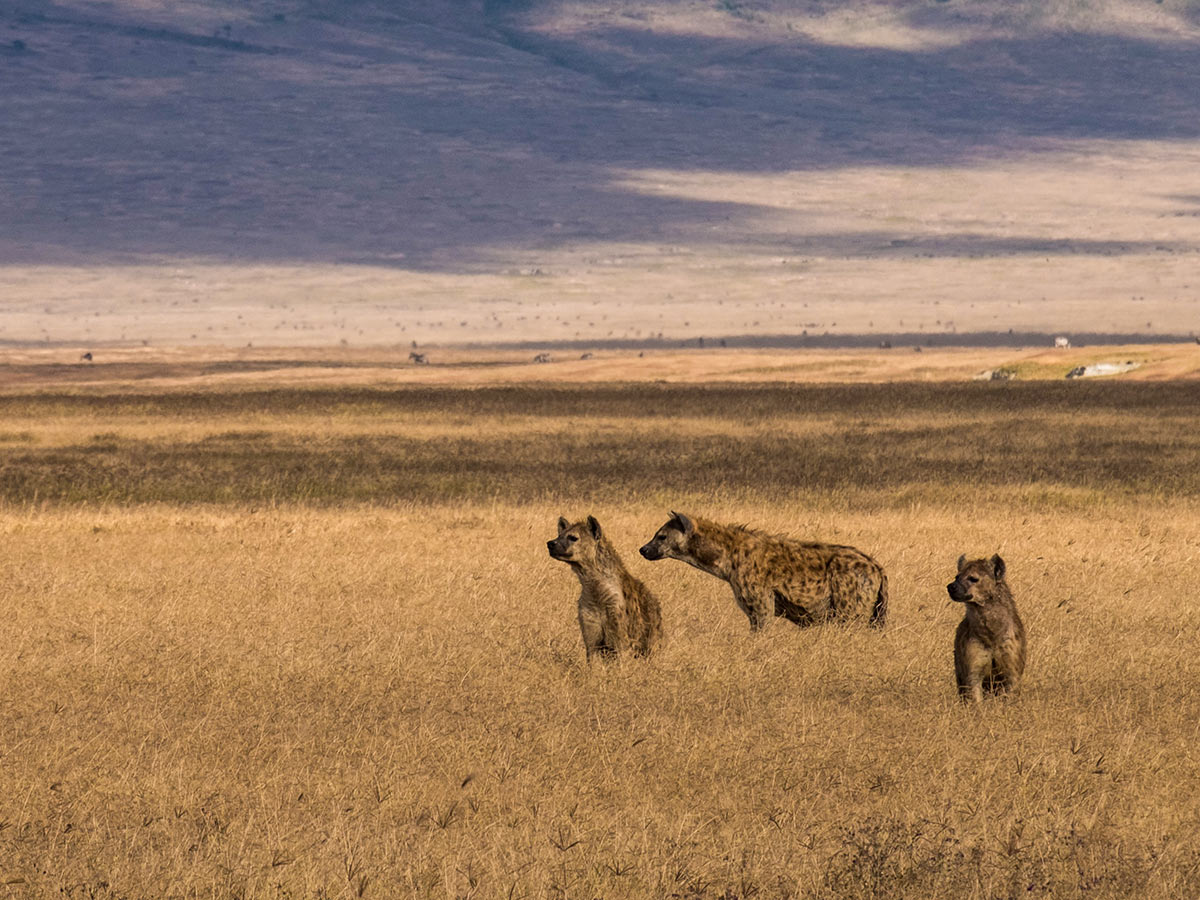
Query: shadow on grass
(1101, 438)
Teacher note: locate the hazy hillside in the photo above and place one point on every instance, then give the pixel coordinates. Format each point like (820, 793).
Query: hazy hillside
(464, 137)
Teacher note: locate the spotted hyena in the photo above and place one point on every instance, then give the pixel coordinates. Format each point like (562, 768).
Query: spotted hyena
(617, 613)
(989, 646)
(805, 582)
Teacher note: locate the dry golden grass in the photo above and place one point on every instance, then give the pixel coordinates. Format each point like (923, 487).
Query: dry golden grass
(394, 703)
(342, 693)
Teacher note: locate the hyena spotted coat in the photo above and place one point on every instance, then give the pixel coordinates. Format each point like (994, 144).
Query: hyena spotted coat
(805, 582)
(617, 613)
(989, 645)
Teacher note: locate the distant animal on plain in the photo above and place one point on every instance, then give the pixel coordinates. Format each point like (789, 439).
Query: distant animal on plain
(617, 613)
(1062, 343)
(87, 357)
(989, 645)
(804, 582)
(586, 356)
(419, 359)
(542, 358)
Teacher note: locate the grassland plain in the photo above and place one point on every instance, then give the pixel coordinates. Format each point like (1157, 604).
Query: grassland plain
(307, 643)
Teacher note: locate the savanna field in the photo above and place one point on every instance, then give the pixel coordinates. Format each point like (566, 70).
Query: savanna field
(309, 643)
(278, 466)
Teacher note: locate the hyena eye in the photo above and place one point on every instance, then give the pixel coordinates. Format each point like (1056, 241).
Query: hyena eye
(572, 538)
(973, 579)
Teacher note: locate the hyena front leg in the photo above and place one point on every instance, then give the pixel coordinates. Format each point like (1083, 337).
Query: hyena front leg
(615, 641)
(970, 688)
(759, 608)
(592, 628)
(970, 664)
(1007, 668)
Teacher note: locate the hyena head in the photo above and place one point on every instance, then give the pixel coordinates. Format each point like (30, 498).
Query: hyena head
(977, 580)
(577, 544)
(670, 541)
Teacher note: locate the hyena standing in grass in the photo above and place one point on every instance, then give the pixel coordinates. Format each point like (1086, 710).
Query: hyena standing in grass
(989, 646)
(616, 611)
(804, 582)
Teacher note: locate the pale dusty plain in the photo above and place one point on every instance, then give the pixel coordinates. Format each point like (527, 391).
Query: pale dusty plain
(1089, 237)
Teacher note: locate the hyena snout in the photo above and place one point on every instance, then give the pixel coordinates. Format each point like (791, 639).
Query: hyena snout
(651, 551)
(557, 549)
(957, 592)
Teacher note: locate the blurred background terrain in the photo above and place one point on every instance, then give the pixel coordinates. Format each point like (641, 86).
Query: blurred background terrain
(293, 173)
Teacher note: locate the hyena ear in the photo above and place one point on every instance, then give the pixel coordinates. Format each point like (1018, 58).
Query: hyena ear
(998, 567)
(962, 559)
(594, 527)
(563, 524)
(685, 524)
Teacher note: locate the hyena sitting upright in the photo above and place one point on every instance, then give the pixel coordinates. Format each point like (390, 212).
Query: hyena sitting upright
(804, 582)
(989, 646)
(616, 611)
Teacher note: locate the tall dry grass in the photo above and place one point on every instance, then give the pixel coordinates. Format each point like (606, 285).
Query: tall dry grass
(290, 695)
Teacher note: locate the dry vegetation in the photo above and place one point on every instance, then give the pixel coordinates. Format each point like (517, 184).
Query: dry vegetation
(307, 643)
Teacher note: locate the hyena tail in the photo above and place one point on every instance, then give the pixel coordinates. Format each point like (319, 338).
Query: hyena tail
(880, 610)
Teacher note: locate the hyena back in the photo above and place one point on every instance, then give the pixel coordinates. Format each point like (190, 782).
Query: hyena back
(990, 644)
(804, 582)
(617, 613)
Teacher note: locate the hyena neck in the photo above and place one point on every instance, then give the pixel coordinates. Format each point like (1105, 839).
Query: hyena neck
(996, 612)
(710, 549)
(607, 568)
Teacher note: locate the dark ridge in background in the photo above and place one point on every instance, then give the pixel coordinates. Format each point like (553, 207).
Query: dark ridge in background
(332, 131)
